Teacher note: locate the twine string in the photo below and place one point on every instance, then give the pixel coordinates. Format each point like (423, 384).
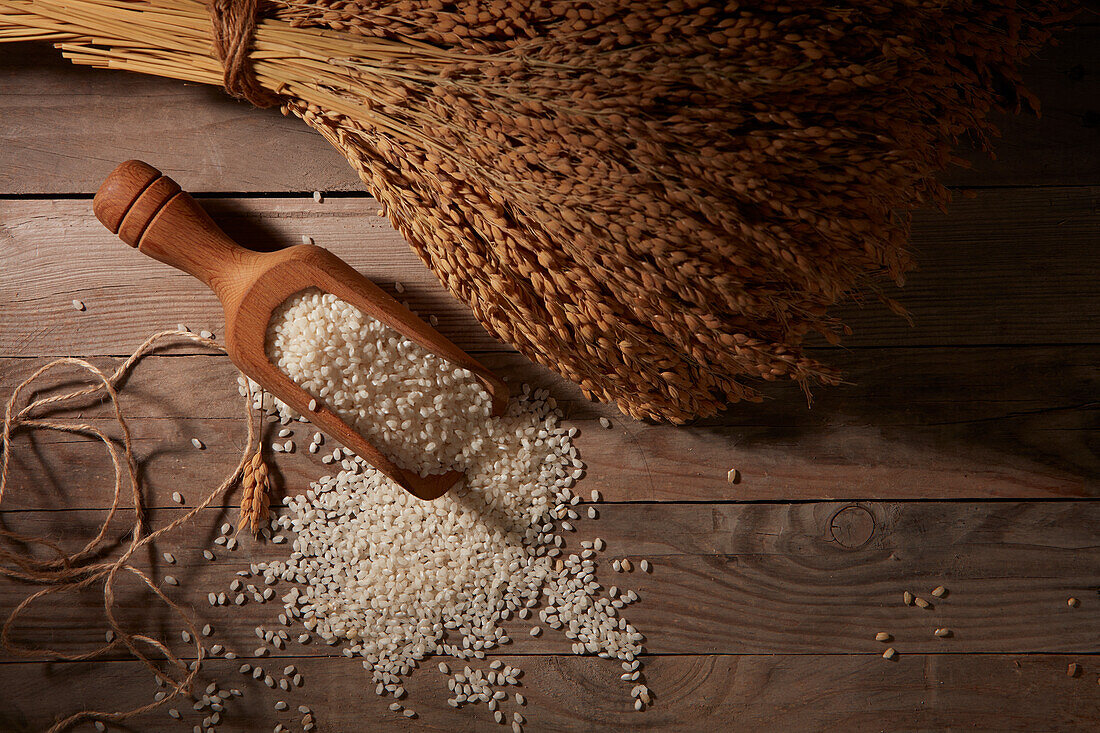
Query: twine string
(74, 571)
(234, 24)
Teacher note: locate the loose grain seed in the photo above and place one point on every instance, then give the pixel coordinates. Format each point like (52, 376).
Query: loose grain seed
(79, 305)
(921, 603)
(890, 653)
(942, 632)
(907, 598)
(939, 591)
(171, 580)
(604, 422)
(883, 636)
(1072, 602)
(1073, 669)
(206, 334)
(177, 497)
(318, 197)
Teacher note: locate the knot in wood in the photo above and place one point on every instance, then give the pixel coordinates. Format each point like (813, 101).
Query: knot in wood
(852, 526)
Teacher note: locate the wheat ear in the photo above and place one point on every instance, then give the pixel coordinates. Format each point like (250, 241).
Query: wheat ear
(255, 500)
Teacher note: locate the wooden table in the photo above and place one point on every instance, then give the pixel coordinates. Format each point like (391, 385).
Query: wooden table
(964, 451)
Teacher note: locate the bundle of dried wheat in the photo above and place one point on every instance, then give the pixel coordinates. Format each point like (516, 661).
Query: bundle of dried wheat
(657, 199)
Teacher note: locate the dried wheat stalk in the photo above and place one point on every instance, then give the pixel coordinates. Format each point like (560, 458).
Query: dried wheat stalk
(659, 200)
(255, 497)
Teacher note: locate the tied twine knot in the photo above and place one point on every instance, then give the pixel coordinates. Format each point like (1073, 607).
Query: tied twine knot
(234, 27)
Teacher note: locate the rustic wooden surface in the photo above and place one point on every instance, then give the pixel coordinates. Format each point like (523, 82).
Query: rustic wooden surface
(964, 449)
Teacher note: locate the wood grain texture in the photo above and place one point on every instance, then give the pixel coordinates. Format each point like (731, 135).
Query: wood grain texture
(1006, 267)
(913, 424)
(100, 118)
(736, 579)
(730, 693)
(765, 596)
(97, 119)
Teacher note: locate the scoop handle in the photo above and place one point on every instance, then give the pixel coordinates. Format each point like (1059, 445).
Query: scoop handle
(149, 211)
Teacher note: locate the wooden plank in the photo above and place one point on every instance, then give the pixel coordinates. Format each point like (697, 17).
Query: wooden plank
(98, 119)
(913, 423)
(1006, 267)
(66, 127)
(737, 693)
(128, 294)
(761, 578)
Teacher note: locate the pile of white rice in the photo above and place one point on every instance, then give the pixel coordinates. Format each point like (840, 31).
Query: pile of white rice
(396, 579)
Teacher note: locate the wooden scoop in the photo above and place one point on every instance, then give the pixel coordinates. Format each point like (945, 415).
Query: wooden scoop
(149, 211)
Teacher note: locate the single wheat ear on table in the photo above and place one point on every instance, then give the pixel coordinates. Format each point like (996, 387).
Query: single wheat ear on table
(255, 499)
